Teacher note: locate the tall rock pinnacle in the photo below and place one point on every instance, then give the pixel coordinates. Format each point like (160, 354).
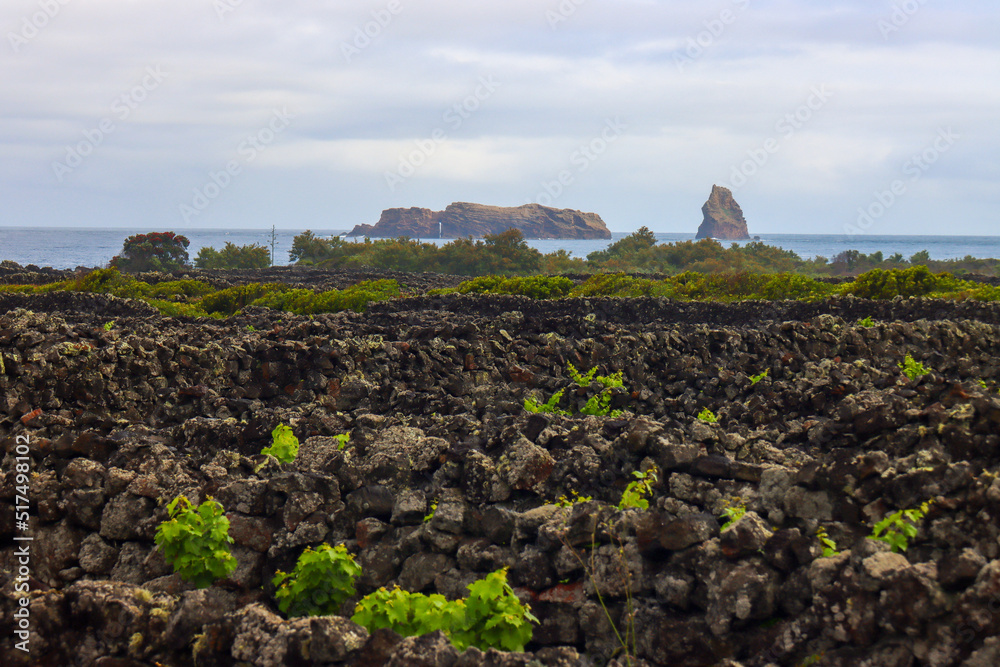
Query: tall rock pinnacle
(723, 217)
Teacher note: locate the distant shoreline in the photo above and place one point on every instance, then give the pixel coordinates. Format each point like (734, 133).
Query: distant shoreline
(67, 248)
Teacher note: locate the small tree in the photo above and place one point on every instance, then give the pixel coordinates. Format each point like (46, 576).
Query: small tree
(157, 251)
(506, 253)
(307, 248)
(232, 256)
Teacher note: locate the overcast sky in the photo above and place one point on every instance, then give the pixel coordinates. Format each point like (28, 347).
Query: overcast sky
(243, 113)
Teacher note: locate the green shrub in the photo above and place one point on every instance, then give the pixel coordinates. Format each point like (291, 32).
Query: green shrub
(721, 286)
(158, 251)
(196, 542)
(784, 286)
(18, 289)
(322, 579)
(689, 285)
(915, 281)
(635, 243)
(536, 287)
(179, 288)
(611, 381)
(231, 300)
(232, 256)
(111, 281)
(307, 248)
(175, 309)
(986, 293)
(585, 380)
(357, 297)
(307, 302)
(482, 285)
(285, 446)
(296, 300)
(621, 285)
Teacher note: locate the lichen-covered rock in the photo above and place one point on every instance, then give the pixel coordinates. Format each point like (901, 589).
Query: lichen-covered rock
(264, 639)
(527, 465)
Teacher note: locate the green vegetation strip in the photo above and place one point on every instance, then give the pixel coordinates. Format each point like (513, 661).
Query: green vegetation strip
(509, 254)
(194, 298)
(691, 286)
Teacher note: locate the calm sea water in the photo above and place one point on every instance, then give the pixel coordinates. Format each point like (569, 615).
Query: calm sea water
(65, 248)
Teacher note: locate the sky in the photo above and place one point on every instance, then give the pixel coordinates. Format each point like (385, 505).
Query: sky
(823, 117)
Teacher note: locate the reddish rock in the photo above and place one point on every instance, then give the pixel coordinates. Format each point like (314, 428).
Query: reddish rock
(564, 594)
(31, 416)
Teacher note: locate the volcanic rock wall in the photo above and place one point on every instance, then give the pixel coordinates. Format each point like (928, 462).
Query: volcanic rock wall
(123, 420)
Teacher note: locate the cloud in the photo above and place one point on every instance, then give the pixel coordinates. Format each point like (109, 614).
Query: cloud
(367, 82)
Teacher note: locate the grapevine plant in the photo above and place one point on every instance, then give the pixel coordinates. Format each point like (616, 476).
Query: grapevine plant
(490, 617)
(912, 368)
(637, 493)
(494, 617)
(196, 541)
(284, 446)
(407, 614)
(898, 528)
(598, 405)
(323, 578)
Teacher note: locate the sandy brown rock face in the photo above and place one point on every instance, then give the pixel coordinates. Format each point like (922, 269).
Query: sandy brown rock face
(477, 220)
(723, 217)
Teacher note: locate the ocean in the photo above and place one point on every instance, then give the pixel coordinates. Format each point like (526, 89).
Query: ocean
(68, 248)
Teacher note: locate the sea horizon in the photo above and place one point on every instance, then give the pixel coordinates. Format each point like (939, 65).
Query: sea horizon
(72, 247)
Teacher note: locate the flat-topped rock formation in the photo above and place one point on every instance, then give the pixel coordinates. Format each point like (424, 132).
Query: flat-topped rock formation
(723, 217)
(477, 220)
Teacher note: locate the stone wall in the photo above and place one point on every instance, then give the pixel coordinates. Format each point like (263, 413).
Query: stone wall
(123, 420)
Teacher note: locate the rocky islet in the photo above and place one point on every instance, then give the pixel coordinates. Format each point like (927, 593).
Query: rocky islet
(723, 217)
(123, 419)
(463, 219)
